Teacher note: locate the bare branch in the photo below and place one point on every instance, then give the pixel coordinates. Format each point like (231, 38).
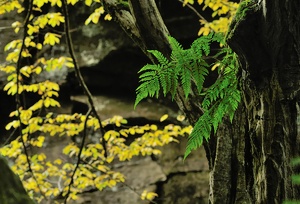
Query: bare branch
(195, 11)
(78, 73)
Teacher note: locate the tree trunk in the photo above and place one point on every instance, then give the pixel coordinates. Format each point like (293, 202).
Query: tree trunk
(250, 158)
(256, 164)
(11, 189)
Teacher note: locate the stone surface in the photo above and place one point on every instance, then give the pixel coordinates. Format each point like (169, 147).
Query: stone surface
(186, 188)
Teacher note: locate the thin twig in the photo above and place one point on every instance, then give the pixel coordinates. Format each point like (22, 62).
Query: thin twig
(78, 73)
(9, 137)
(195, 11)
(17, 98)
(79, 154)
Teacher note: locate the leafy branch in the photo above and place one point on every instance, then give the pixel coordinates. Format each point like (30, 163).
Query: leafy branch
(17, 97)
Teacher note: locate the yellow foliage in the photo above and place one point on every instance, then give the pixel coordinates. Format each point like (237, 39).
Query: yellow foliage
(164, 117)
(223, 12)
(148, 195)
(107, 17)
(8, 6)
(73, 2)
(39, 3)
(16, 25)
(51, 39)
(56, 2)
(55, 19)
(13, 56)
(185, 2)
(94, 17)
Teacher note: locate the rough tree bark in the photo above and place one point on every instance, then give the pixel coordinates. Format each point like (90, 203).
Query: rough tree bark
(264, 136)
(249, 159)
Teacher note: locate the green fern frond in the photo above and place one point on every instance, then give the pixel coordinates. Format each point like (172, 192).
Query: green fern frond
(201, 130)
(147, 75)
(165, 78)
(221, 99)
(202, 44)
(175, 45)
(150, 67)
(199, 71)
(186, 81)
(150, 87)
(163, 61)
(173, 86)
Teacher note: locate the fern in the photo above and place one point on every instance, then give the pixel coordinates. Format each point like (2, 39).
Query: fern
(221, 99)
(183, 67)
(187, 67)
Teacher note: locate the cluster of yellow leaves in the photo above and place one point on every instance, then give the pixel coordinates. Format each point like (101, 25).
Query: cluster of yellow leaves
(11, 5)
(222, 13)
(94, 17)
(95, 170)
(144, 145)
(148, 195)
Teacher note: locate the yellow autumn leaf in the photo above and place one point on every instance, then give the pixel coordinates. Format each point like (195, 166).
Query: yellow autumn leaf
(94, 17)
(11, 45)
(13, 56)
(39, 46)
(14, 124)
(32, 29)
(164, 117)
(107, 17)
(180, 118)
(40, 3)
(57, 161)
(12, 90)
(215, 66)
(204, 31)
(153, 127)
(55, 19)
(73, 2)
(47, 102)
(109, 159)
(185, 2)
(131, 131)
(38, 70)
(88, 2)
(56, 2)
(148, 195)
(13, 113)
(40, 141)
(37, 105)
(51, 39)
(16, 25)
(41, 157)
(118, 123)
(123, 133)
(25, 116)
(112, 183)
(156, 152)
